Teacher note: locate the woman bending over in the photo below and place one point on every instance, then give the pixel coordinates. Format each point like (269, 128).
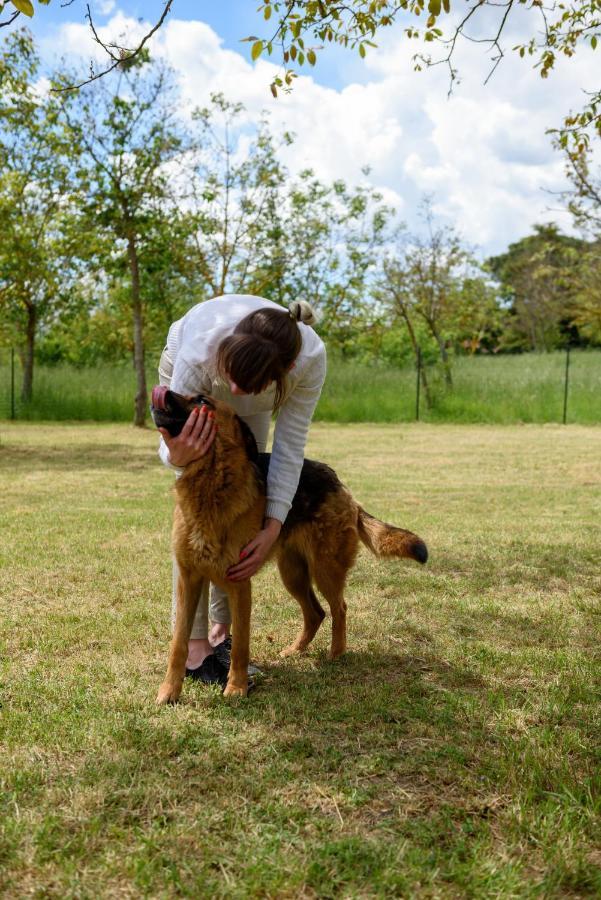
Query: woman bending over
(261, 359)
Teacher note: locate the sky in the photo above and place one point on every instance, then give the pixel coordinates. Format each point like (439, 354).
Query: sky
(482, 153)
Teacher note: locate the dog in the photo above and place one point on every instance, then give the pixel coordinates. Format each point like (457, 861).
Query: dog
(220, 508)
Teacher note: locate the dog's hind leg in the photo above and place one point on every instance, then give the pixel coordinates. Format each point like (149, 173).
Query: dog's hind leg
(295, 575)
(188, 593)
(331, 584)
(330, 569)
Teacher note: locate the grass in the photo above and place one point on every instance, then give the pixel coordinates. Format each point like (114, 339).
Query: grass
(502, 389)
(454, 752)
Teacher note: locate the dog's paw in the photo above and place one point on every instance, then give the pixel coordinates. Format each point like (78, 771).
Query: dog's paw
(232, 691)
(293, 649)
(168, 693)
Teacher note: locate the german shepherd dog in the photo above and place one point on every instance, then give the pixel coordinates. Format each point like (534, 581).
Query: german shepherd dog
(220, 508)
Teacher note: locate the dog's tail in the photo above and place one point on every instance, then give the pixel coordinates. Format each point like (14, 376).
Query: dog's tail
(388, 540)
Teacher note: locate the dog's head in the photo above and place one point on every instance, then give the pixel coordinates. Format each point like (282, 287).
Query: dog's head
(171, 411)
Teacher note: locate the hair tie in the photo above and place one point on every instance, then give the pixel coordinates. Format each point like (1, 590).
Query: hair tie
(301, 311)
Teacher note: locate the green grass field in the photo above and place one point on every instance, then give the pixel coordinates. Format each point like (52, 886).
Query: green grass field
(453, 752)
(488, 389)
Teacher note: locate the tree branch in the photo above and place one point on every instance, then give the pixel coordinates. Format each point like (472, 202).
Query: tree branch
(11, 20)
(123, 57)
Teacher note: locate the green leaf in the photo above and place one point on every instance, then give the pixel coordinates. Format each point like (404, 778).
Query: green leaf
(446, 5)
(434, 7)
(361, 51)
(24, 6)
(274, 89)
(256, 49)
(594, 42)
(267, 13)
(311, 57)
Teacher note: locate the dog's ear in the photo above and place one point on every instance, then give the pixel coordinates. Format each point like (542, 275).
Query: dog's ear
(250, 444)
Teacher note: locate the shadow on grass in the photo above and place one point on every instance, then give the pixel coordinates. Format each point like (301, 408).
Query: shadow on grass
(115, 457)
(361, 690)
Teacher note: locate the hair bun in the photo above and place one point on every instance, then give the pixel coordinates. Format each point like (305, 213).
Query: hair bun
(301, 311)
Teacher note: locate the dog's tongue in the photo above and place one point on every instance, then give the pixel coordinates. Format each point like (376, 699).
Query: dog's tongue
(158, 396)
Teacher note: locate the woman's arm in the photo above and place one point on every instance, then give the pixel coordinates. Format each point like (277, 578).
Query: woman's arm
(290, 438)
(285, 466)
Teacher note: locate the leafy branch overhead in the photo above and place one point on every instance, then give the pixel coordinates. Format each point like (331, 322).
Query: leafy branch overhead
(298, 31)
(14, 8)
(302, 29)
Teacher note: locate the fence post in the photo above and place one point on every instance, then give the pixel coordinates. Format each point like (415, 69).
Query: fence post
(565, 387)
(417, 386)
(12, 382)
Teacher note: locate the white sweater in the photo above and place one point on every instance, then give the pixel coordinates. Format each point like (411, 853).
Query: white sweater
(192, 346)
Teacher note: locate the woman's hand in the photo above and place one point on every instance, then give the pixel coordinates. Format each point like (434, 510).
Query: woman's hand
(254, 554)
(195, 438)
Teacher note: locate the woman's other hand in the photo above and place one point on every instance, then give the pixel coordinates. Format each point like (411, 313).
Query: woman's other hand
(194, 440)
(256, 552)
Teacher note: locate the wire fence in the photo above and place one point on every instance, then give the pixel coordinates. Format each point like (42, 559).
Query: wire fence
(563, 386)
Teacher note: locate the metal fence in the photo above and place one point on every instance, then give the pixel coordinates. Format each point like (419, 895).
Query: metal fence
(564, 386)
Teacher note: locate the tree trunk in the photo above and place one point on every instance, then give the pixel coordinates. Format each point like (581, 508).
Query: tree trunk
(415, 346)
(444, 356)
(138, 323)
(27, 386)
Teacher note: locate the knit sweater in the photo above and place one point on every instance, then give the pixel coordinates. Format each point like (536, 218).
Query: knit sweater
(192, 346)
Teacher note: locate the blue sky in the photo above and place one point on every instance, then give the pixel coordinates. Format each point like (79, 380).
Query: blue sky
(231, 19)
(483, 154)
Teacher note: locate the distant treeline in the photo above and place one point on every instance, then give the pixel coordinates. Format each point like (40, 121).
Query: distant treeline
(120, 209)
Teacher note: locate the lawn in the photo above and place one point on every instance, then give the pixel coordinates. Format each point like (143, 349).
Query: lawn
(454, 751)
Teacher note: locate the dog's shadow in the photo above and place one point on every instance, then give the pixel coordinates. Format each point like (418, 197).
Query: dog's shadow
(309, 697)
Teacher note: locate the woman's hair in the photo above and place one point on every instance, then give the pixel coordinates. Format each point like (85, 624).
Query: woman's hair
(263, 347)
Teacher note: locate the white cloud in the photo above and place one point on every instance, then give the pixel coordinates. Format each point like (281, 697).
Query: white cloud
(483, 152)
(105, 7)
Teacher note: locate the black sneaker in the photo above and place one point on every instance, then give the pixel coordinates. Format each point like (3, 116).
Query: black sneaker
(210, 671)
(223, 652)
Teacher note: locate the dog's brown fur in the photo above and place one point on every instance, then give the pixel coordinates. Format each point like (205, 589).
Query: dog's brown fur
(220, 508)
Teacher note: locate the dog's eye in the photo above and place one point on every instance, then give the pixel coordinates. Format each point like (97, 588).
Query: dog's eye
(201, 400)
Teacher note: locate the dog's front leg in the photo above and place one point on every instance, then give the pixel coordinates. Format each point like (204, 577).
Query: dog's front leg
(240, 604)
(188, 593)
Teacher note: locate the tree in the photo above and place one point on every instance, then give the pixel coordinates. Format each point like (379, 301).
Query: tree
(583, 199)
(127, 138)
(322, 246)
(428, 271)
(397, 289)
(586, 287)
(37, 249)
(584, 202)
(255, 228)
(535, 277)
(478, 319)
(229, 198)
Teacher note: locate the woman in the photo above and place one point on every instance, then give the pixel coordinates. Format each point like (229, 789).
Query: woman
(259, 358)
